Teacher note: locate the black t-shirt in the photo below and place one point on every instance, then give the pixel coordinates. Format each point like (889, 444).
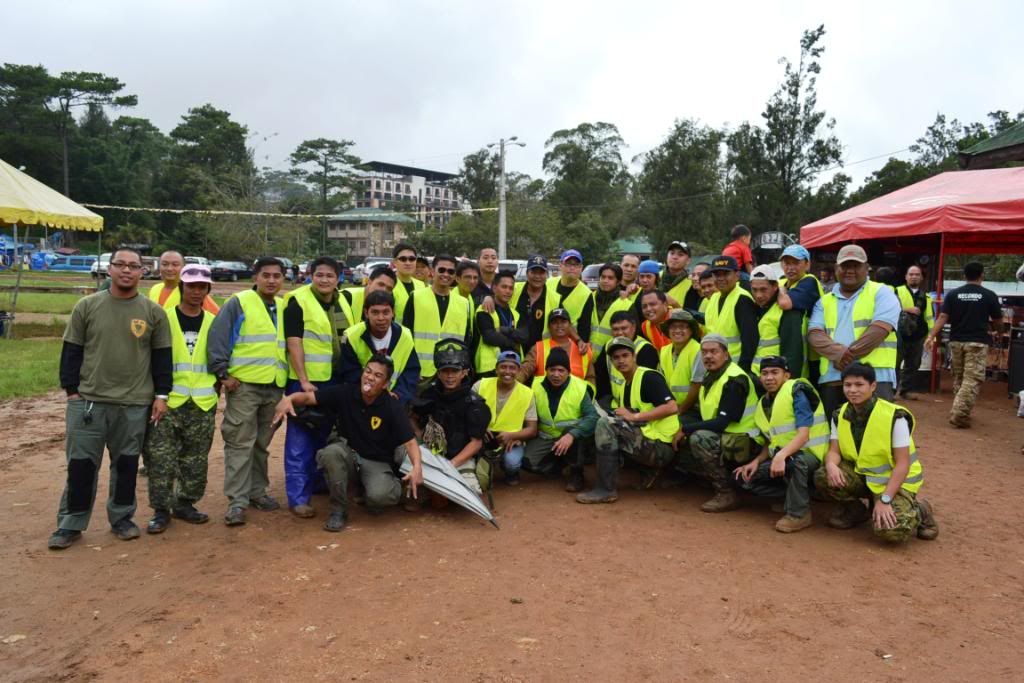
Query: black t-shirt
(462, 415)
(374, 431)
(531, 315)
(294, 326)
(190, 326)
(653, 389)
(969, 309)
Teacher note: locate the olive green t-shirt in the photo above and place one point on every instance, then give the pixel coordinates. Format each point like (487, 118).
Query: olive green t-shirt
(118, 336)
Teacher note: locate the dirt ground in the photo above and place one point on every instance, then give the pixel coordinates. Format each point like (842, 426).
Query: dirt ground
(649, 588)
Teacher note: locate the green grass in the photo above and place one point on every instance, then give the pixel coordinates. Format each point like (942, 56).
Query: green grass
(54, 328)
(35, 278)
(35, 302)
(30, 367)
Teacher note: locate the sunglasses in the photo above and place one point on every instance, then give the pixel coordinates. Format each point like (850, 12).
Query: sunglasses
(204, 272)
(406, 259)
(445, 271)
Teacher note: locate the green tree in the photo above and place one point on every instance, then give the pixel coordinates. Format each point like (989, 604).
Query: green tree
(477, 182)
(587, 171)
(26, 125)
(329, 167)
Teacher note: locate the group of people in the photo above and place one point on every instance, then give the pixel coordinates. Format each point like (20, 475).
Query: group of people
(728, 372)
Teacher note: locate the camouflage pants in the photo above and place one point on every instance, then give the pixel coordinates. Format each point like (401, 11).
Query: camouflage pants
(908, 518)
(616, 435)
(716, 455)
(969, 360)
(175, 453)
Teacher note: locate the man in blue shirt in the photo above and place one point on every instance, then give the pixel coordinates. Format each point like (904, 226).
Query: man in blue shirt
(870, 339)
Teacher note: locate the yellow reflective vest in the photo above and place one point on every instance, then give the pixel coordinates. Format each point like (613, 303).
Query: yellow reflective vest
(874, 459)
(662, 429)
(191, 379)
(678, 293)
(601, 330)
(317, 335)
(723, 321)
(710, 398)
(884, 355)
(573, 303)
(258, 356)
(907, 300)
(769, 341)
(400, 355)
(487, 355)
(402, 296)
(678, 369)
(781, 427)
(430, 329)
(618, 382)
(569, 410)
(513, 414)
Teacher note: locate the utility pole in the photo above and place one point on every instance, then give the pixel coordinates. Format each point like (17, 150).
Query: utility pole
(502, 208)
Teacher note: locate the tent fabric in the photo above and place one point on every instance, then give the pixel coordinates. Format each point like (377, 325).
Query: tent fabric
(25, 200)
(974, 210)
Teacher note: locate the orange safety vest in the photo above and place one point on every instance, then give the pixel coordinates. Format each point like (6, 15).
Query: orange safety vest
(654, 334)
(578, 364)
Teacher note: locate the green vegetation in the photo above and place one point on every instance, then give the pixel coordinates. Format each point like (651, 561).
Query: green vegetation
(30, 367)
(34, 302)
(52, 329)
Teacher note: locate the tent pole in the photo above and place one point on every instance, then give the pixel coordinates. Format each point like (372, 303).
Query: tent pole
(940, 290)
(17, 283)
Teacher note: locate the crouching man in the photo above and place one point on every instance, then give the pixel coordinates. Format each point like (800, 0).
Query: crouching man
(872, 455)
(791, 418)
(513, 417)
(376, 435)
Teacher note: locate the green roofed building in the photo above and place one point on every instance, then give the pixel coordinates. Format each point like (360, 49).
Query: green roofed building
(368, 231)
(996, 150)
(638, 247)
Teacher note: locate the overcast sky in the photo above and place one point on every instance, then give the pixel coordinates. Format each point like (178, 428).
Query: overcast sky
(424, 83)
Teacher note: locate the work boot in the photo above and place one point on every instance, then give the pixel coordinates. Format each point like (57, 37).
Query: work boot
(235, 516)
(790, 524)
(157, 525)
(848, 515)
(335, 522)
(265, 503)
(304, 511)
(575, 482)
(960, 422)
(606, 488)
(724, 501)
(62, 539)
(125, 529)
(189, 514)
(928, 529)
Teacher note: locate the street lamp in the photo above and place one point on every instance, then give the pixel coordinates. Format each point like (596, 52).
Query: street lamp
(502, 211)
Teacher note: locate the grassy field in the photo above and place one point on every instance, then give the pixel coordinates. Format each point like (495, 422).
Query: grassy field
(34, 302)
(30, 367)
(35, 278)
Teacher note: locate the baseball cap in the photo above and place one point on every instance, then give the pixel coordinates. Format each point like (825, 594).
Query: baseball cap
(536, 261)
(775, 362)
(620, 343)
(796, 251)
(650, 267)
(679, 244)
(194, 272)
(570, 253)
(765, 272)
(723, 263)
(509, 357)
(851, 252)
(559, 313)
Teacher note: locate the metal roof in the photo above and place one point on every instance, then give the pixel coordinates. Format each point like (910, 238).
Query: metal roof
(399, 169)
(370, 215)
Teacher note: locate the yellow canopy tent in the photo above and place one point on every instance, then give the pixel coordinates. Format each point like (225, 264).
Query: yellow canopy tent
(26, 201)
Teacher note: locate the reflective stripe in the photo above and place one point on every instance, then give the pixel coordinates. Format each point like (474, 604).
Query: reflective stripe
(861, 323)
(182, 367)
(255, 361)
(318, 358)
(325, 338)
(732, 340)
(819, 441)
(200, 391)
(604, 330)
(782, 429)
(768, 342)
(915, 479)
(749, 410)
(425, 356)
(257, 338)
(681, 389)
(882, 469)
(425, 335)
(886, 345)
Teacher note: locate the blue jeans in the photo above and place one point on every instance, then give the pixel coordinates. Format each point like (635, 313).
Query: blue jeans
(301, 475)
(512, 459)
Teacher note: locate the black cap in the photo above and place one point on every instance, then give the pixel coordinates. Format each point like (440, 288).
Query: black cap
(679, 244)
(559, 313)
(775, 362)
(536, 261)
(724, 263)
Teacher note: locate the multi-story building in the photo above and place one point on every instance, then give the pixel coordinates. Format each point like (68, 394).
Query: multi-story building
(424, 194)
(368, 231)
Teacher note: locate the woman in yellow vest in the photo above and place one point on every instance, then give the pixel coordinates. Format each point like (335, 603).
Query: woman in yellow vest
(872, 455)
(680, 360)
(513, 417)
(177, 446)
(792, 421)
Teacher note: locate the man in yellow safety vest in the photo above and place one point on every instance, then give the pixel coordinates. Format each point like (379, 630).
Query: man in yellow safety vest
(437, 313)
(732, 313)
(513, 417)
(167, 292)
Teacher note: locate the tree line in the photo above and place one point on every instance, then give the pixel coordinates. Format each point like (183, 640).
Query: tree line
(74, 132)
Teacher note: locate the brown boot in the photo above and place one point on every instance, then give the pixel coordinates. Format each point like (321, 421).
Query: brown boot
(848, 515)
(304, 511)
(960, 422)
(790, 524)
(928, 529)
(722, 502)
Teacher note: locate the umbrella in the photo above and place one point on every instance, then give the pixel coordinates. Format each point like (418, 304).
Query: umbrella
(441, 477)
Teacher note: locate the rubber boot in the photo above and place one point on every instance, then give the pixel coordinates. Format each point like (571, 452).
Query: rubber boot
(606, 489)
(575, 482)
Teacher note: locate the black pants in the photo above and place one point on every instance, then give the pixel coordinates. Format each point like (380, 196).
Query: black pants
(909, 363)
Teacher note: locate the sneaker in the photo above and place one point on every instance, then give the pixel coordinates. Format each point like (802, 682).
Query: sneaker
(848, 515)
(304, 511)
(594, 496)
(512, 478)
(575, 482)
(265, 503)
(235, 516)
(790, 524)
(335, 522)
(189, 514)
(928, 529)
(157, 525)
(63, 538)
(724, 501)
(126, 530)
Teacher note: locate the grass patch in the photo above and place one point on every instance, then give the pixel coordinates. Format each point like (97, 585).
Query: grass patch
(32, 278)
(30, 367)
(54, 328)
(36, 302)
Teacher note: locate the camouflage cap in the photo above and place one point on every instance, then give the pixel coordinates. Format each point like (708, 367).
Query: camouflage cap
(620, 343)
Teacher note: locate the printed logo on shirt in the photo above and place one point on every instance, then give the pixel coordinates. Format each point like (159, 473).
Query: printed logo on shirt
(138, 328)
(375, 422)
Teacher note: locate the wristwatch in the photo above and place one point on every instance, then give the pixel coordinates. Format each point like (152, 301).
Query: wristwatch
(886, 498)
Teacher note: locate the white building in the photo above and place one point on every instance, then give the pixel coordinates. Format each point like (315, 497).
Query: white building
(423, 193)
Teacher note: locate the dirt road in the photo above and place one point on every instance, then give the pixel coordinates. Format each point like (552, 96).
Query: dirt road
(646, 589)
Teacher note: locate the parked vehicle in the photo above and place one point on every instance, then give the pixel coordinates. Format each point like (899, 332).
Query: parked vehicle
(232, 271)
(591, 274)
(99, 268)
(77, 264)
(363, 270)
(197, 260)
(516, 266)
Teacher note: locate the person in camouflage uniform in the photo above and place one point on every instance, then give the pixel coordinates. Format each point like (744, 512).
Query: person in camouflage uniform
(177, 446)
(858, 466)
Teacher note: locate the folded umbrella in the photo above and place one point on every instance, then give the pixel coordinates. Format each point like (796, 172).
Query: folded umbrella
(443, 478)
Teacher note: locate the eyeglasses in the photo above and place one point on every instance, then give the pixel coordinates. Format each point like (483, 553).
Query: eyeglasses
(121, 265)
(445, 271)
(406, 259)
(203, 272)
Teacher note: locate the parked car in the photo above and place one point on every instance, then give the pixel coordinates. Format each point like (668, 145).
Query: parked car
(363, 270)
(197, 260)
(591, 274)
(78, 264)
(230, 270)
(99, 268)
(516, 266)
